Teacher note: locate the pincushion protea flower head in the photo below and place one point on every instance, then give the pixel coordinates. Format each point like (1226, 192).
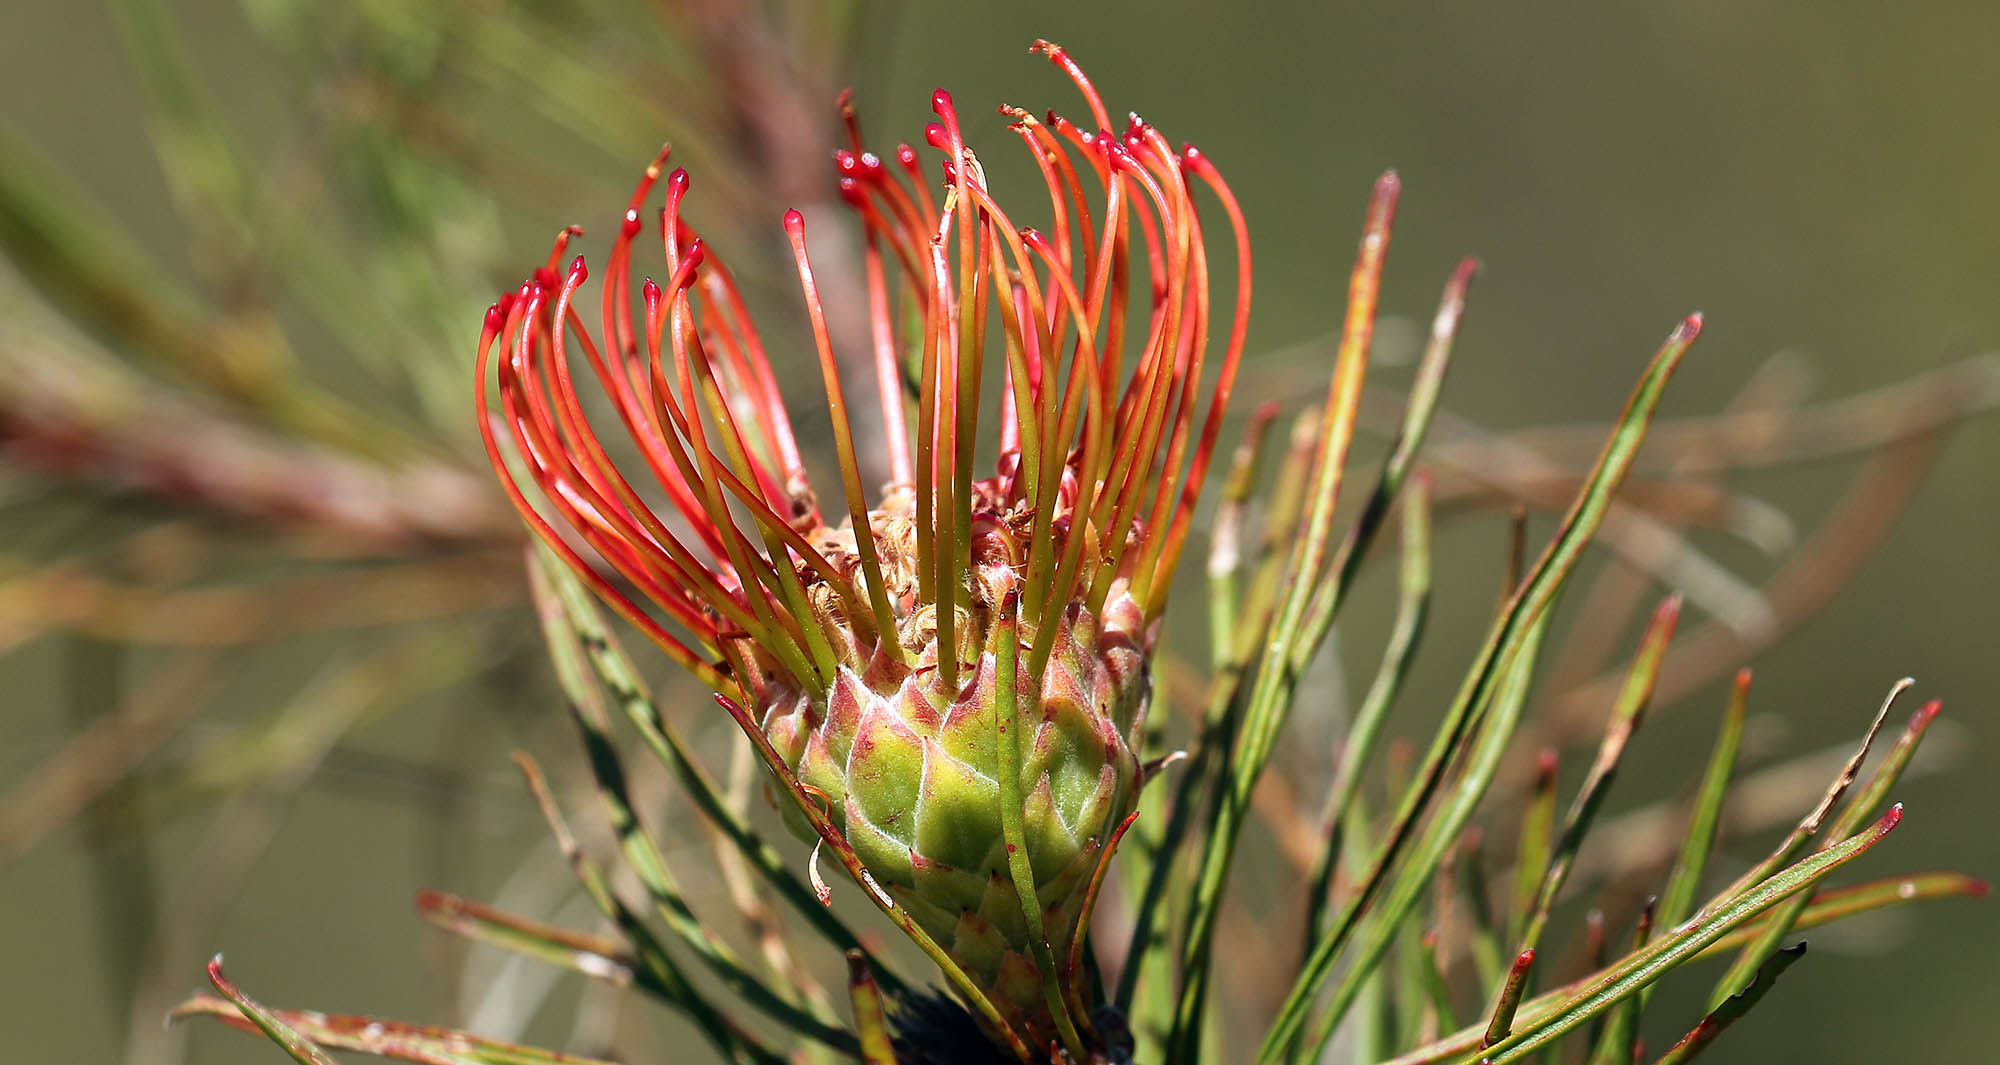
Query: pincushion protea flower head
(952, 672)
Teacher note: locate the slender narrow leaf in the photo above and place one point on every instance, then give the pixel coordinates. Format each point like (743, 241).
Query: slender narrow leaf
(1828, 906)
(618, 676)
(298, 1046)
(1270, 699)
(1358, 746)
(870, 1019)
(1839, 904)
(1685, 880)
(1733, 1008)
(1859, 809)
(1626, 715)
(396, 1040)
(1535, 847)
(1497, 730)
(1618, 1041)
(1642, 969)
(1436, 989)
(598, 957)
(1501, 1021)
(656, 970)
(1525, 613)
(642, 855)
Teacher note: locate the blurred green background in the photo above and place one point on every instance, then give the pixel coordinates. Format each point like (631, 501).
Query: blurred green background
(1815, 178)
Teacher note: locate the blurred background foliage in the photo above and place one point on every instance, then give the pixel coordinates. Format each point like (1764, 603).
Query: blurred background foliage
(264, 631)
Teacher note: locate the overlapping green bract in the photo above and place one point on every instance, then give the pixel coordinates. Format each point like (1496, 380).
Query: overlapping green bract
(912, 775)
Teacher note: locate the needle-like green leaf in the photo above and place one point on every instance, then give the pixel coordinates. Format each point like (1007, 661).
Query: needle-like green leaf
(619, 678)
(298, 1046)
(1733, 1008)
(1859, 809)
(1649, 965)
(395, 1040)
(1525, 613)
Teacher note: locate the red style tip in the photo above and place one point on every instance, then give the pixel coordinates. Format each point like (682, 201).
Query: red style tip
(1524, 959)
(1893, 818)
(936, 137)
(677, 182)
(1545, 766)
(1194, 159)
(632, 225)
(1690, 327)
(545, 278)
(495, 319)
(650, 291)
(696, 252)
(906, 155)
(846, 162)
(1118, 155)
(851, 191)
(941, 103)
(1925, 714)
(1980, 889)
(795, 223)
(578, 270)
